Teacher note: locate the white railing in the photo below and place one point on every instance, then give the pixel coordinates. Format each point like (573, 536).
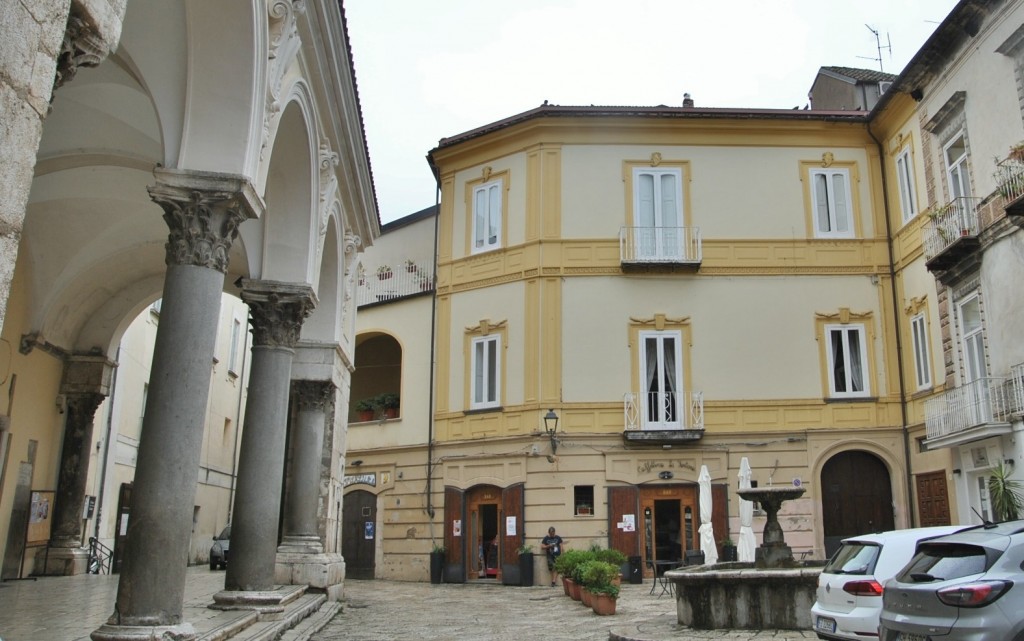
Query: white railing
(680, 411)
(1017, 387)
(977, 403)
(660, 245)
(1010, 176)
(391, 283)
(950, 222)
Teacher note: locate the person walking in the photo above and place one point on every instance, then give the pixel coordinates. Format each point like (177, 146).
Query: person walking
(552, 544)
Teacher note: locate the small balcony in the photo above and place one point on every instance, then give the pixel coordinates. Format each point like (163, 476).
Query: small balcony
(953, 234)
(389, 283)
(968, 413)
(660, 248)
(1010, 174)
(663, 418)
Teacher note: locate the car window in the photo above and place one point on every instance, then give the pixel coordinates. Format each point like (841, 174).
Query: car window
(941, 562)
(225, 534)
(854, 557)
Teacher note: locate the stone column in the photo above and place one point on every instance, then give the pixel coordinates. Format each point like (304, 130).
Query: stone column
(277, 311)
(86, 383)
(313, 400)
(203, 211)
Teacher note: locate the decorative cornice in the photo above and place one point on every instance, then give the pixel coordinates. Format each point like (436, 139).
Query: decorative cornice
(844, 315)
(485, 327)
(660, 321)
(916, 304)
(277, 311)
(203, 212)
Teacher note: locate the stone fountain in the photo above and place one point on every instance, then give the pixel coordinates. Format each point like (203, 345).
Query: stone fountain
(774, 592)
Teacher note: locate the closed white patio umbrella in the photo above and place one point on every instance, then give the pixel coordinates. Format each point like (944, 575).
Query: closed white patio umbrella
(707, 532)
(745, 546)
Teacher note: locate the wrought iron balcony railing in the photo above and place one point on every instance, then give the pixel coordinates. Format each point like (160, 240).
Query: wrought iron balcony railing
(968, 406)
(1010, 177)
(390, 283)
(950, 222)
(664, 245)
(664, 411)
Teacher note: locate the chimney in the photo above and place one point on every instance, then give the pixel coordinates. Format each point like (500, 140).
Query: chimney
(687, 101)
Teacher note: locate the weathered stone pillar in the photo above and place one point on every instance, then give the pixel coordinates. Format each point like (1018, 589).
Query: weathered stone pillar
(86, 383)
(203, 211)
(313, 400)
(277, 311)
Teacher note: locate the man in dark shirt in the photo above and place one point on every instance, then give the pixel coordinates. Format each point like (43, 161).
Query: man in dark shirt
(552, 544)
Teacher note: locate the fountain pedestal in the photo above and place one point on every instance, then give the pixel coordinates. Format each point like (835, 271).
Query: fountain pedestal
(777, 593)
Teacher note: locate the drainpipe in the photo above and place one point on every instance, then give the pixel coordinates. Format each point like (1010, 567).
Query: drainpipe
(433, 344)
(896, 322)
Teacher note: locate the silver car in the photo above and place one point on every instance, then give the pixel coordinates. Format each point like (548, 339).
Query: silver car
(967, 586)
(220, 548)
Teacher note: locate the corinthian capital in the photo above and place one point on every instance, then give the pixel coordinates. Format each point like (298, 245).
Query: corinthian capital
(277, 310)
(203, 211)
(313, 395)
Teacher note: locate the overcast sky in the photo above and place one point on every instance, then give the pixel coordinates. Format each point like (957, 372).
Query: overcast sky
(431, 69)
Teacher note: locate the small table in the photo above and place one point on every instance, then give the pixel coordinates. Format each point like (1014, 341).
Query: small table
(660, 567)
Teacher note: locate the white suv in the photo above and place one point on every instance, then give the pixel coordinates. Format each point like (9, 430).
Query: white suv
(850, 585)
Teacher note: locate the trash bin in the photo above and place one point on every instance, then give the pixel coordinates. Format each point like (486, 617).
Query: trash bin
(636, 570)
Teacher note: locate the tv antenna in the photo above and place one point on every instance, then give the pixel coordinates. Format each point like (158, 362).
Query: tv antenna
(878, 44)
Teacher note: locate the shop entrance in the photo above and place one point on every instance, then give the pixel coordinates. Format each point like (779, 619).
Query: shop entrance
(483, 513)
(667, 526)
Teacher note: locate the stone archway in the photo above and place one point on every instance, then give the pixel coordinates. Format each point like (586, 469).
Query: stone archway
(856, 497)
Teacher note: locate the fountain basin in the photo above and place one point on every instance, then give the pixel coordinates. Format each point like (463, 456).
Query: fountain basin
(739, 596)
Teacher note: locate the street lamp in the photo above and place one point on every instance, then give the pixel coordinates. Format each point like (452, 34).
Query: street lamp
(551, 426)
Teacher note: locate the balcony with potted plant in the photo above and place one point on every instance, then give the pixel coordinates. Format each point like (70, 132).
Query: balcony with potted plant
(952, 235)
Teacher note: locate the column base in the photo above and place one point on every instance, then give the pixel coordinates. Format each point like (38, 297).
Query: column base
(109, 632)
(61, 561)
(300, 544)
(269, 603)
(321, 572)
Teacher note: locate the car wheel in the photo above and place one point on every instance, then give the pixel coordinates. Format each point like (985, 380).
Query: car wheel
(213, 565)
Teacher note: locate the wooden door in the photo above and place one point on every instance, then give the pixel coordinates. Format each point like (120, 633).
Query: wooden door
(512, 499)
(623, 506)
(668, 524)
(454, 541)
(932, 499)
(483, 539)
(856, 497)
(359, 535)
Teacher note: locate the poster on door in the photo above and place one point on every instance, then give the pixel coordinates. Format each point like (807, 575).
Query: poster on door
(457, 527)
(368, 530)
(510, 526)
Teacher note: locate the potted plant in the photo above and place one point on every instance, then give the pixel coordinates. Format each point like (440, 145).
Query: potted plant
(1017, 152)
(599, 577)
(1005, 493)
(384, 272)
(584, 573)
(525, 564)
(437, 554)
(566, 565)
(617, 559)
(389, 402)
(365, 409)
(410, 266)
(729, 552)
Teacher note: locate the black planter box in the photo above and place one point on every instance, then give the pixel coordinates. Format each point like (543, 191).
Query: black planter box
(436, 566)
(526, 569)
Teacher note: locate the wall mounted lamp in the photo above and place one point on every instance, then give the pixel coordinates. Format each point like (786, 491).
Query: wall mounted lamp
(551, 427)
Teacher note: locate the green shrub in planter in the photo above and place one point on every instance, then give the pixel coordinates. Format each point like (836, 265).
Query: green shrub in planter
(597, 576)
(567, 562)
(614, 557)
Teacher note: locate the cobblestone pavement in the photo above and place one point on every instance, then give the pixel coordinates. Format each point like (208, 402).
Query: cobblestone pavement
(393, 610)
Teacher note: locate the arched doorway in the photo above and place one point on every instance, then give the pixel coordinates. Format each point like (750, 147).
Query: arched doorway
(856, 497)
(359, 534)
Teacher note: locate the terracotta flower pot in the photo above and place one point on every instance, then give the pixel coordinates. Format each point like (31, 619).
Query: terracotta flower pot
(585, 596)
(603, 604)
(565, 586)
(574, 591)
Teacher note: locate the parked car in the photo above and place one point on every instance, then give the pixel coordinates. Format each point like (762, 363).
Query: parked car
(219, 549)
(967, 586)
(850, 585)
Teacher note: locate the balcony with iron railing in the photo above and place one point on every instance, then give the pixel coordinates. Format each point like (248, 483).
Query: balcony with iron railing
(1017, 388)
(660, 248)
(953, 233)
(389, 283)
(663, 417)
(970, 412)
(1010, 178)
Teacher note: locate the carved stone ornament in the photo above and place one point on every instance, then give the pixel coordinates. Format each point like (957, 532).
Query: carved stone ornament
(277, 311)
(827, 159)
(485, 327)
(284, 46)
(202, 224)
(660, 321)
(844, 315)
(486, 174)
(81, 48)
(655, 159)
(316, 396)
(916, 304)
